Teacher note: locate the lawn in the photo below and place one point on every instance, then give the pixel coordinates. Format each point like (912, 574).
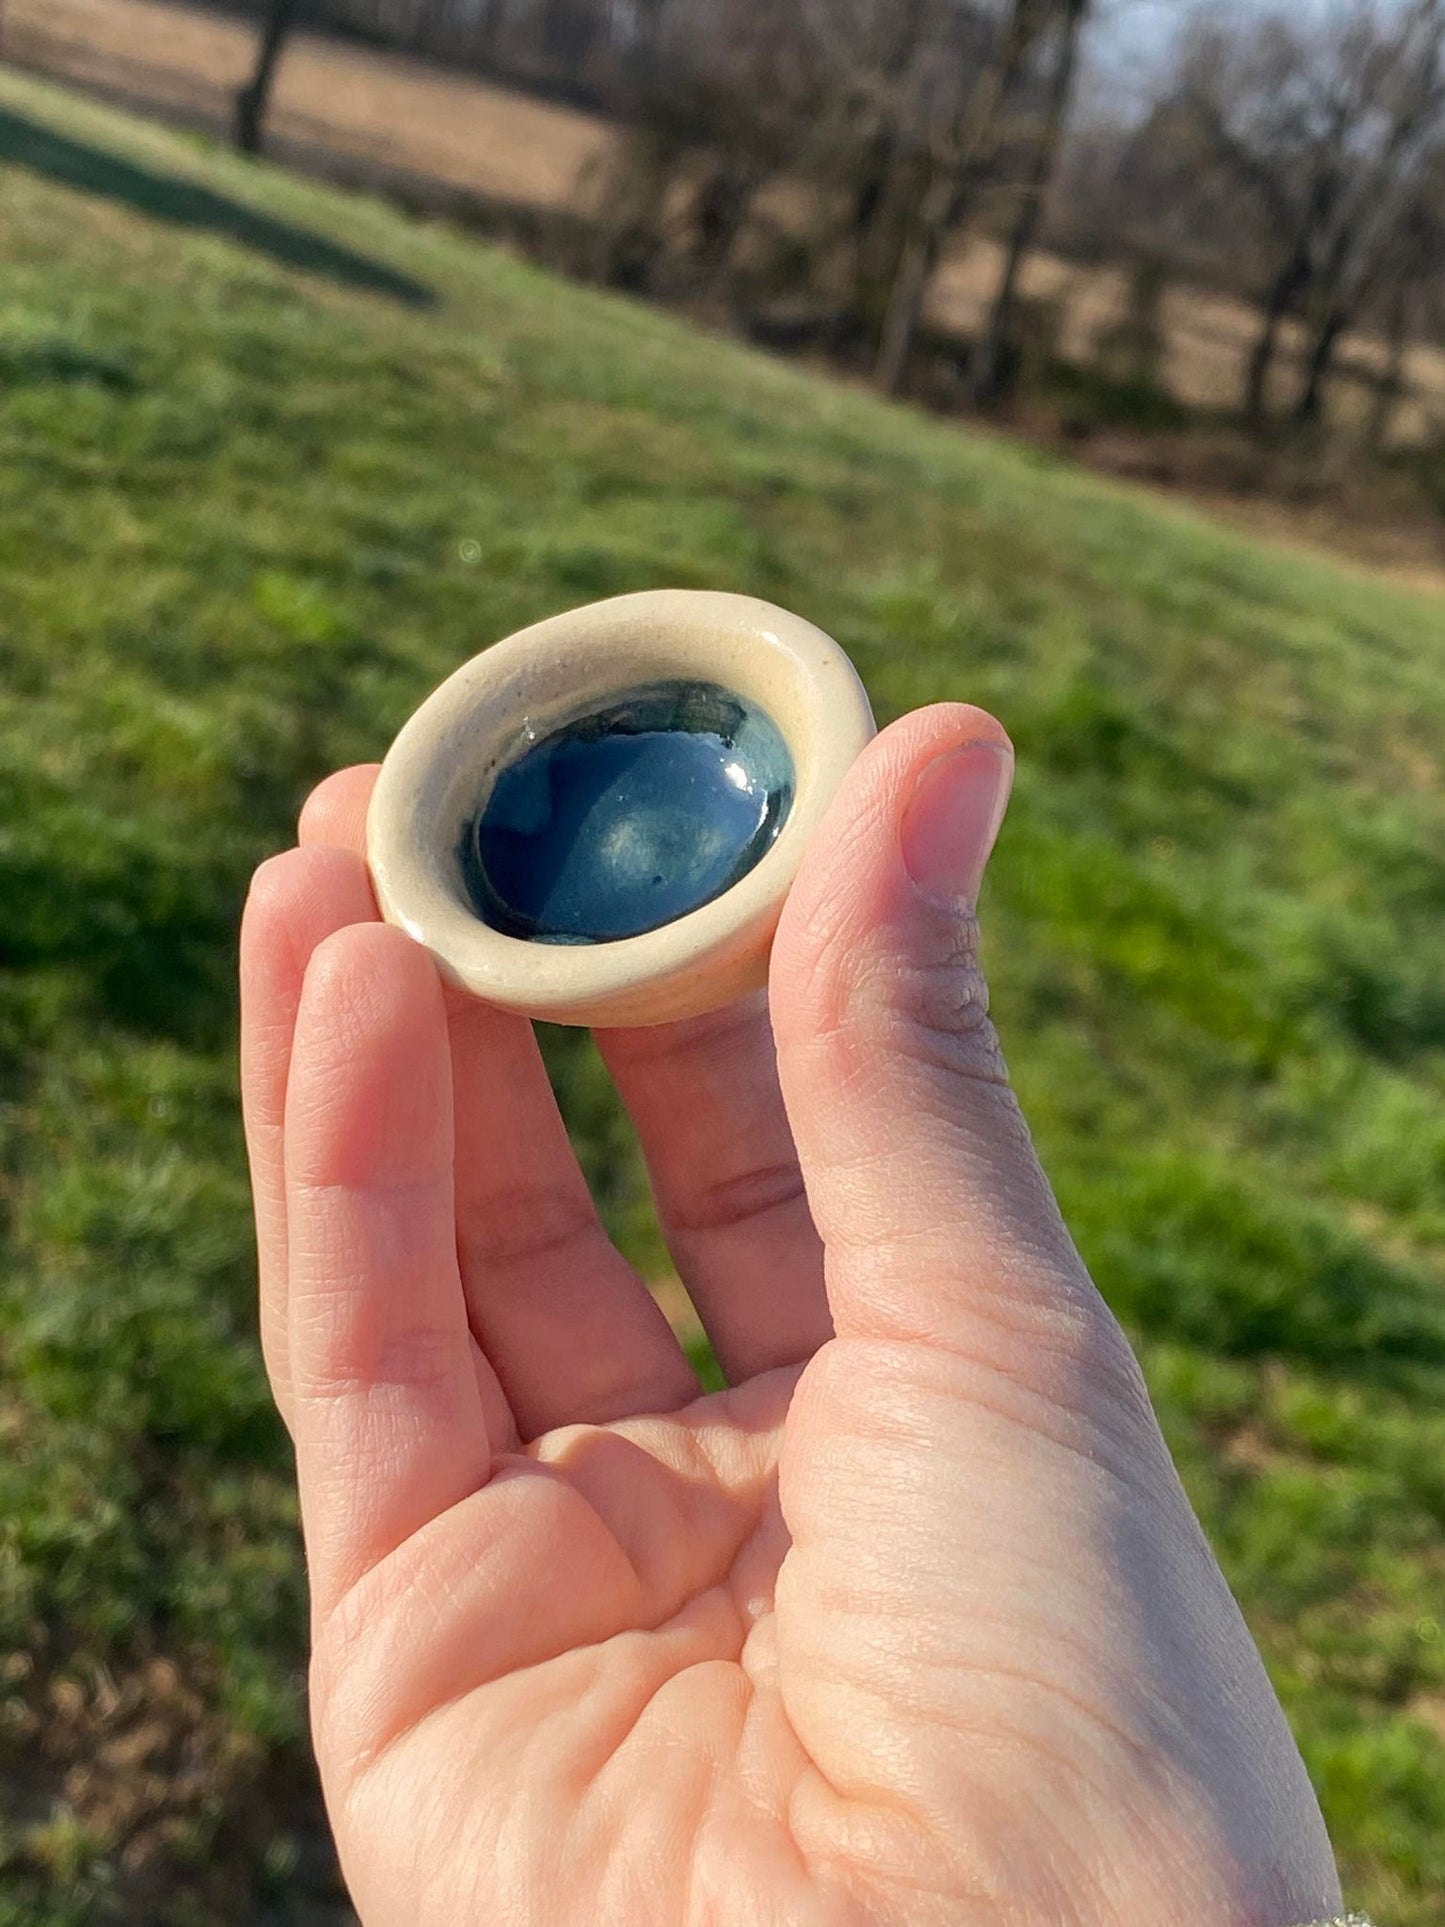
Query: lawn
(272, 460)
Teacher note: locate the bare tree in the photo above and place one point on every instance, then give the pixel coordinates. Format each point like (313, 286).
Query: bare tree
(960, 146)
(885, 119)
(721, 97)
(989, 372)
(486, 33)
(253, 99)
(430, 21)
(1381, 196)
(1390, 387)
(1412, 276)
(1318, 126)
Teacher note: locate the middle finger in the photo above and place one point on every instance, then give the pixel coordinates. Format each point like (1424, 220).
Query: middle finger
(704, 1097)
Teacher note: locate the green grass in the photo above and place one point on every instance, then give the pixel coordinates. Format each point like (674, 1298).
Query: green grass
(250, 510)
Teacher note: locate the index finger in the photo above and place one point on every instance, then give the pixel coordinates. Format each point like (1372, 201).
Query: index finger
(334, 813)
(296, 901)
(389, 1418)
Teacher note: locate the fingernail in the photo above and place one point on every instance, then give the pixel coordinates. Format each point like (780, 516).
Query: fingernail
(953, 819)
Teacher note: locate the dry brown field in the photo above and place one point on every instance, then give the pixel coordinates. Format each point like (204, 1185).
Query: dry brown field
(395, 113)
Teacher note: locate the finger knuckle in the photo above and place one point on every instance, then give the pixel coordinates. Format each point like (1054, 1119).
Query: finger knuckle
(739, 1197)
(524, 1223)
(930, 1005)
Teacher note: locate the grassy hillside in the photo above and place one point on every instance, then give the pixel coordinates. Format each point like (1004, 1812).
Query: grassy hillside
(271, 461)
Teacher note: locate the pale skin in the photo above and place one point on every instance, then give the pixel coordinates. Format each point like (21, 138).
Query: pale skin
(913, 1624)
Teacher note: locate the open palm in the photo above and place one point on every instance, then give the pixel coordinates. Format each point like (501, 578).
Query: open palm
(911, 1624)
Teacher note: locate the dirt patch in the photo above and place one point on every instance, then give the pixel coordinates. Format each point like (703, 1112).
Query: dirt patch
(1365, 521)
(140, 1773)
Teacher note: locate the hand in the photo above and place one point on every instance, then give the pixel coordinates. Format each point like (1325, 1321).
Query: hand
(913, 1624)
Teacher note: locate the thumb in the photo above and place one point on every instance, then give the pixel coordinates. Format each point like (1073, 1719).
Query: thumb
(974, 1458)
(937, 1219)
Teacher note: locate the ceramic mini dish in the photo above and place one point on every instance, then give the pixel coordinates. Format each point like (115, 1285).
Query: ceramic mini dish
(597, 820)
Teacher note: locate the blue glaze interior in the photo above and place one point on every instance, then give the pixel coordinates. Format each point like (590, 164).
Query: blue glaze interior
(629, 817)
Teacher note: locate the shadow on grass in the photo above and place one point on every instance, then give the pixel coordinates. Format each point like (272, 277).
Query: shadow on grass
(169, 197)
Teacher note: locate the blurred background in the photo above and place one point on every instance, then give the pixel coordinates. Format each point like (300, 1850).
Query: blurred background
(1083, 360)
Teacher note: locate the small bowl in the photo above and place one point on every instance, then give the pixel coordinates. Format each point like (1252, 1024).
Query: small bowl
(597, 820)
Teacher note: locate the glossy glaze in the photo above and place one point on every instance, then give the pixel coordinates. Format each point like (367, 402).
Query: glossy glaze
(629, 817)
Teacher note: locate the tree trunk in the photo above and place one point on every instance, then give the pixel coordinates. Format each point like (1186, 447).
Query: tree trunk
(906, 296)
(1287, 284)
(634, 195)
(428, 27)
(990, 375)
(719, 212)
(875, 170)
(488, 28)
(948, 190)
(253, 99)
(1391, 387)
(881, 189)
(568, 32)
(1310, 406)
(891, 187)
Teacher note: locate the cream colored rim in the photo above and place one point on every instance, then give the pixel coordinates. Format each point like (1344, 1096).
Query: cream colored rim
(442, 765)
